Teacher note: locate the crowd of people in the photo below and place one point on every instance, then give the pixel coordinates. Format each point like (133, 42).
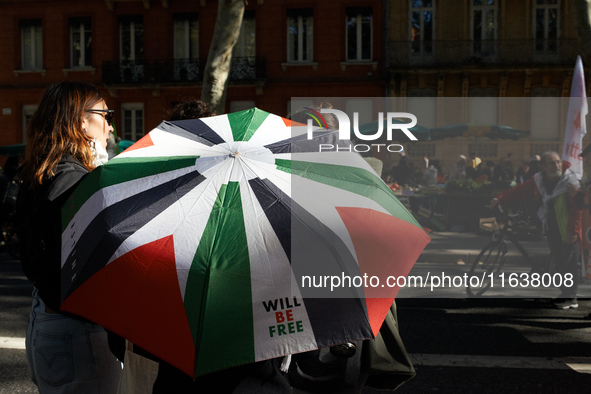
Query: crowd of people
(553, 190)
(429, 171)
(544, 185)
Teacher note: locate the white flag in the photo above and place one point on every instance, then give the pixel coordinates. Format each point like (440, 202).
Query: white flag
(576, 125)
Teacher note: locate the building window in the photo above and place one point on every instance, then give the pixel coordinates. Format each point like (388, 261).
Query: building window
(186, 37)
(133, 121)
(546, 28)
(186, 48)
(359, 33)
(422, 17)
(131, 36)
(80, 43)
(299, 35)
(131, 48)
(484, 27)
(246, 45)
(244, 52)
(31, 45)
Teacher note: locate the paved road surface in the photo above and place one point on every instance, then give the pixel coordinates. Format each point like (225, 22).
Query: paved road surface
(458, 345)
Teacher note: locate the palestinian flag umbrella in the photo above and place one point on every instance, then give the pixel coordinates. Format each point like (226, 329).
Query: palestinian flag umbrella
(195, 242)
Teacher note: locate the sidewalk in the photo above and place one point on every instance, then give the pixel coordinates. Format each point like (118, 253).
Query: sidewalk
(448, 247)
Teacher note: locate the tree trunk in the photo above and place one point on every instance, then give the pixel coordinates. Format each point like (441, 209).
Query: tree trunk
(219, 59)
(581, 14)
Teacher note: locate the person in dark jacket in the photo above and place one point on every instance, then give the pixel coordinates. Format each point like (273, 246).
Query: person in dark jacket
(66, 138)
(561, 218)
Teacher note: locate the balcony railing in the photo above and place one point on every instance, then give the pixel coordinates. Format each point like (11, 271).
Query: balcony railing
(494, 52)
(177, 71)
(248, 69)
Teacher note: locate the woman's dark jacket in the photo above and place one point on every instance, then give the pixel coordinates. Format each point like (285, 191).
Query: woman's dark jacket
(39, 227)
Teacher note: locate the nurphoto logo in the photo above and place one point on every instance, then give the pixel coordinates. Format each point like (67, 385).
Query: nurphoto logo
(345, 130)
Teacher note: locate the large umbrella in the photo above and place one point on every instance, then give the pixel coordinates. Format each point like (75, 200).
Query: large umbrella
(195, 241)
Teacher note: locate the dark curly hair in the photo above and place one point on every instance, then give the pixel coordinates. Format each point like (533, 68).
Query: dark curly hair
(190, 109)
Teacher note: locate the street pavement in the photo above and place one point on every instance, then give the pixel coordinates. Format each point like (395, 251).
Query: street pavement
(449, 255)
(15, 302)
(495, 345)
(492, 344)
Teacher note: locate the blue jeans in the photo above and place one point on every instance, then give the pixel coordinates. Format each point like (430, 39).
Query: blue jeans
(68, 355)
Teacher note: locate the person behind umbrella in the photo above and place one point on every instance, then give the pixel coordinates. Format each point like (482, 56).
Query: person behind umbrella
(521, 174)
(402, 174)
(431, 171)
(561, 218)
(458, 170)
(472, 164)
(66, 138)
(503, 171)
(190, 109)
(534, 166)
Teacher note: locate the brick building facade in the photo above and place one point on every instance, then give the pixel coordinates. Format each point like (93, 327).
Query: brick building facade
(150, 54)
(491, 50)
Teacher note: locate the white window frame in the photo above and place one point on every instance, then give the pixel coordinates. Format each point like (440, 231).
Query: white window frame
(80, 25)
(190, 50)
(132, 134)
(421, 10)
(29, 28)
(359, 35)
(547, 8)
(303, 56)
(483, 40)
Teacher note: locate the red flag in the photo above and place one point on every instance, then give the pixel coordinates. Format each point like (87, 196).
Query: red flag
(576, 125)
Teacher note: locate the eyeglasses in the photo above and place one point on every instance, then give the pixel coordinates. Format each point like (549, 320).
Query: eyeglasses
(109, 113)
